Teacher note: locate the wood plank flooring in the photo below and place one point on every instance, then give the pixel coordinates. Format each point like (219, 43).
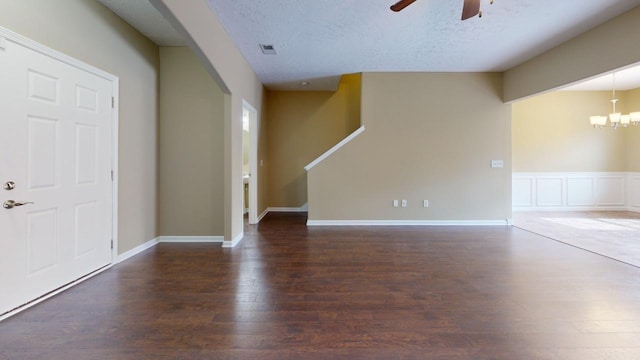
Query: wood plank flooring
(292, 292)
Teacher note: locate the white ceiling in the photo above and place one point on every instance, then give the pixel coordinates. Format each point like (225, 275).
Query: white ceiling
(317, 41)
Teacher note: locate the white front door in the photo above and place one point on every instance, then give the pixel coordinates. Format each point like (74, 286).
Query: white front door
(55, 146)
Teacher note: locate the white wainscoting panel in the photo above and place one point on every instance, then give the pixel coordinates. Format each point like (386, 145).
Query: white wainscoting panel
(610, 191)
(549, 191)
(580, 191)
(633, 195)
(522, 192)
(573, 191)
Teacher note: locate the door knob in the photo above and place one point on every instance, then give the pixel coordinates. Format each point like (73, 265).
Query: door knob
(10, 204)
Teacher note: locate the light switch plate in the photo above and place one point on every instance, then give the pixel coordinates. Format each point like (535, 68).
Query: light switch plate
(497, 163)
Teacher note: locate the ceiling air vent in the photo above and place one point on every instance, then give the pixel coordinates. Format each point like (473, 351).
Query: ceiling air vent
(268, 49)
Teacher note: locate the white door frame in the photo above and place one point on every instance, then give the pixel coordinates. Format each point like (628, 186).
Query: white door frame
(253, 161)
(8, 35)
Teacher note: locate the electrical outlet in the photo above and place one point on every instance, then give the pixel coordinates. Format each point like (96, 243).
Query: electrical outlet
(395, 203)
(425, 203)
(404, 203)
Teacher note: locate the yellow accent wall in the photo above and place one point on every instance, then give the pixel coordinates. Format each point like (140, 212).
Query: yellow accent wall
(301, 126)
(552, 133)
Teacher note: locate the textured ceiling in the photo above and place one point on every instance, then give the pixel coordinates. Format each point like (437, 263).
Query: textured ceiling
(317, 41)
(323, 38)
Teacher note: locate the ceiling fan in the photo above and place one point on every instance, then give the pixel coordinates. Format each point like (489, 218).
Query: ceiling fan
(470, 9)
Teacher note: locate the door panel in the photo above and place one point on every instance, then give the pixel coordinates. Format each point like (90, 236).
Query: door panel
(86, 154)
(42, 150)
(42, 241)
(86, 233)
(56, 145)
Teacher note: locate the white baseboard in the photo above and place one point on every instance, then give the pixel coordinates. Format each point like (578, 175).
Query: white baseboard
(136, 250)
(234, 242)
(191, 239)
(303, 208)
(570, 208)
(264, 213)
(408, 222)
(167, 239)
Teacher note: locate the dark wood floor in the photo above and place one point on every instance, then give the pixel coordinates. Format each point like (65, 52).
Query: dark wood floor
(292, 292)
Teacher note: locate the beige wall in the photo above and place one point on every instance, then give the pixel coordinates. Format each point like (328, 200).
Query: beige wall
(428, 136)
(579, 58)
(86, 30)
(551, 132)
(191, 147)
(633, 133)
(234, 76)
(302, 125)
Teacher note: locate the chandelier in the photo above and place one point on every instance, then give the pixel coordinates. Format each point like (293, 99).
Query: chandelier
(616, 118)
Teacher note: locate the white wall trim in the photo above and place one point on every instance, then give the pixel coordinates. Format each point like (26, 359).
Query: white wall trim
(264, 213)
(409, 222)
(335, 148)
(114, 167)
(571, 208)
(168, 239)
(303, 208)
(137, 250)
(576, 191)
(191, 239)
(234, 242)
(633, 194)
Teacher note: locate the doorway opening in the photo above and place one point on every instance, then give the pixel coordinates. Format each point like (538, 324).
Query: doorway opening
(250, 160)
(577, 184)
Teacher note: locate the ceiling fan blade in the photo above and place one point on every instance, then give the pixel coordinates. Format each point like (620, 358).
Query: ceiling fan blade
(471, 8)
(401, 5)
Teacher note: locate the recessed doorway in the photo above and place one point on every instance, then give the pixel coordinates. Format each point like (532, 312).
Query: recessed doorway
(250, 159)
